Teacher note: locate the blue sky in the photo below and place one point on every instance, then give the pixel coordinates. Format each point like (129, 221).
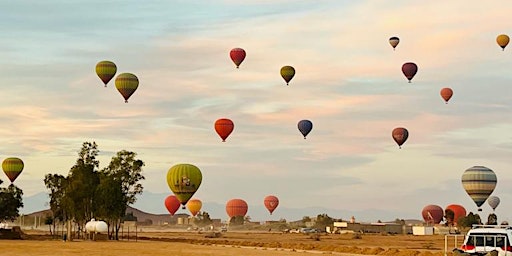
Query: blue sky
(348, 83)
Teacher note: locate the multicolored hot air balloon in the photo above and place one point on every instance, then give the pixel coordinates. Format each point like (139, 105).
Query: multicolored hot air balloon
(236, 207)
(127, 84)
(393, 41)
(224, 127)
(172, 204)
(458, 212)
(184, 180)
(446, 94)
(479, 182)
(493, 201)
(106, 70)
(305, 126)
(12, 167)
(400, 135)
(409, 69)
(194, 206)
(271, 203)
(287, 72)
(432, 214)
(237, 56)
(502, 41)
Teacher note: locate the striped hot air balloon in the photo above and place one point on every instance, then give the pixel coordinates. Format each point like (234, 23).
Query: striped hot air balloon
(184, 180)
(106, 70)
(127, 84)
(479, 182)
(393, 41)
(12, 167)
(287, 72)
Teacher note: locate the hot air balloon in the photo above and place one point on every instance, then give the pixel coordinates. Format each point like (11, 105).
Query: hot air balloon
(393, 41)
(106, 70)
(305, 127)
(126, 84)
(458, 212)
(287, 72)
(224, 127)
(236, 207)
(409, 69)
(502, 41)
(400, 135)
(432, 214)
(493, 201)
(184, 180)
(237, 56)
(479, 182)
(12, 167)
(172, 204)
(446, 94)
(271, 203)
(194, 206)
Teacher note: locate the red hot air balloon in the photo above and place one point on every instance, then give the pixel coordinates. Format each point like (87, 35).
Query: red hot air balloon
(271, 203)
(409, 69)
(446, 94)
(224, 127)
(458, 212)
(236, 207)
(432, 214)
(400, 135)
(237, 56)
(172, 204)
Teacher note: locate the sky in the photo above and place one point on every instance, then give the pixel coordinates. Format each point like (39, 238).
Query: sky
(348, 82)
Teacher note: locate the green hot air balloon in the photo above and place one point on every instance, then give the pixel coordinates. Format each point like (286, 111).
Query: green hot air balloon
(106, 70)
(12, 167)
(126, 84)
(479, 182)
(287, 72)
(184, 180)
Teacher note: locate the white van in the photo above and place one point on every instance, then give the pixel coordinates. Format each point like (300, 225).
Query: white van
(482, 239)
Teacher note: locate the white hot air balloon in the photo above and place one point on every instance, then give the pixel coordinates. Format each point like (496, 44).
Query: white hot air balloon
(493, 201)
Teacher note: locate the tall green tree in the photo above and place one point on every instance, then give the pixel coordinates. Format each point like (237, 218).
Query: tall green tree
(56, 184)
(10, 202)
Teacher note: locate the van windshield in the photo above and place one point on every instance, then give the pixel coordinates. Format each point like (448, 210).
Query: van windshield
(488, 239)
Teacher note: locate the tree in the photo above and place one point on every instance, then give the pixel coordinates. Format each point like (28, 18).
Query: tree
(492, 219)
(323, 220)
(236, 220)
(10, 202)
(57, 185)
(469, 220)
(49, 221)
(203, 219)
(449, 216)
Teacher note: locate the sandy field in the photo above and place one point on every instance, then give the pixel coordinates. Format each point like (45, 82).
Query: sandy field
(234, 243)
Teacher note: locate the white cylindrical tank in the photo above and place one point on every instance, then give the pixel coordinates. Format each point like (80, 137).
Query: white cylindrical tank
(90, 226)
(94, 226)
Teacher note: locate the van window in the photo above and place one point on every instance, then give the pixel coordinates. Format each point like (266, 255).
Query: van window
(488, 239)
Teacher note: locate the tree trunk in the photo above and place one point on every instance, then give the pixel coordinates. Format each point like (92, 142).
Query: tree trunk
(69, 232)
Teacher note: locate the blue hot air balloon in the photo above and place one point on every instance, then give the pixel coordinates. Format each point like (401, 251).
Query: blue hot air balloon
(305, 126)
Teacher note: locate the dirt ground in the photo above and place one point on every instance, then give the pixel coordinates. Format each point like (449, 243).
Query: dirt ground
(235, 243)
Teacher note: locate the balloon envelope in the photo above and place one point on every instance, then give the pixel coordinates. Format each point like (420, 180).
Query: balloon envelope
(432, 214)
(446, 94)
(400, 135)
(106, 70)
(271, 203)
(237, 56)
(224, 127)
(493, 201)
(458, 212)
(12, 167)
(127, 84)
(236, 207)
(184, 180)
(479, 182)
(172, 204)
(409, 69)
(502, 41)
(305, 126)
(393, 41)
(287, 72)
(194, 206)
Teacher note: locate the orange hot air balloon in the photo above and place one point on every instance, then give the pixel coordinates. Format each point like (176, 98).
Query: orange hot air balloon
(236, 207)
(400, 135)
(194, 206)
(271, 203)
(172, 204)
(446, 94)
(237, 56)
(224, 127)
(458, 212)
(409, 69)
(502, 41)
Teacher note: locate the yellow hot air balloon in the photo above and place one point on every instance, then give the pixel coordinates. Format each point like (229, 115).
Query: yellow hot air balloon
(126, 84)
(12, 167)
(502, 41)
(194, 206)
(106, 70)
(287, 72)
(184, 180)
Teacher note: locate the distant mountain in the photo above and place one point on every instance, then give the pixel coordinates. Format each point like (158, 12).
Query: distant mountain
(35, 203)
